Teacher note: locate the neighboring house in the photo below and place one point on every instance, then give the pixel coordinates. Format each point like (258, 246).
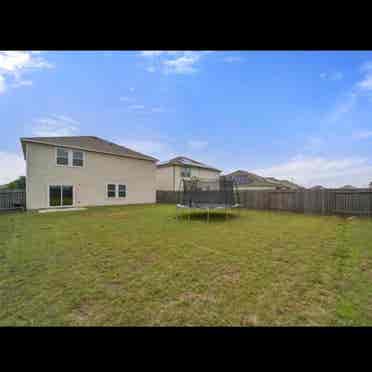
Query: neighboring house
(348, 187)
(85, 171)
(285, 183)
(250, 181)
(317, 187)
(170, 173)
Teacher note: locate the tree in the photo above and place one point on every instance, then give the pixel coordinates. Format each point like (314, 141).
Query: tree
(19, 183)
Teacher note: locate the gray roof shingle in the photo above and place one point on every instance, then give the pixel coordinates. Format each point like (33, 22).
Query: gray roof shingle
(88, 143)
(184, 161)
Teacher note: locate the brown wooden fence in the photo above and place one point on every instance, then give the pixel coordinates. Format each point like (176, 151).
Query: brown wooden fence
(12, 199)
(324, 201)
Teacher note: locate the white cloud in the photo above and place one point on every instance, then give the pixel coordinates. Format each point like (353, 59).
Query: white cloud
(13, 64)
(125, 99)
(310, 171)
(182, 65)
(232, 59)
(54, 126)
(362, 134)
(172, 62)
(12, 166)
(151, 53)
(366, 83)
(2, 84)
(157, 53)
(332, 76)
(197, 144)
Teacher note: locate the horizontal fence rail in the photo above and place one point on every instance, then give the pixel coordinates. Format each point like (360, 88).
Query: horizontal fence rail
(12, 199)
(324, 201)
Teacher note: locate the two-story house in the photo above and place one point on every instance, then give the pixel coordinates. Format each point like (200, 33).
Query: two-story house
(85, 171)
(170, 173)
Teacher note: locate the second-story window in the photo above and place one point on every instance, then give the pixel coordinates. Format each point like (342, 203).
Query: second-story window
(77, 158)
(70, 158)
(186, 172)
(62, 157)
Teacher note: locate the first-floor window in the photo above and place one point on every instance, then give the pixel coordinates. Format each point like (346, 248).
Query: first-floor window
(111, 190)
(61, 196)
(116, 190)
(122, 191)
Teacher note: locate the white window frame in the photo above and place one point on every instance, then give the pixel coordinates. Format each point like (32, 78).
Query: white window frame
(116, 190)
(185, 169)
(70, 155)
(61, 185)
(117, 186)
(72, 159)
(107, 190)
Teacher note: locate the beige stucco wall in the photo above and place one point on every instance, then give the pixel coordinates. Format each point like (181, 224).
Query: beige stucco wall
(165, 176)
(90, 181)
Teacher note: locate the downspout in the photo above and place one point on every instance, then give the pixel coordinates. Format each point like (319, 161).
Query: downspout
(174, 178)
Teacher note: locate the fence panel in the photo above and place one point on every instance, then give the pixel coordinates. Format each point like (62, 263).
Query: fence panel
(323, 201)
(11, 199)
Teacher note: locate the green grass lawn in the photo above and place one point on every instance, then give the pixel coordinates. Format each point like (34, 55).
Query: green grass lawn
(138, 265)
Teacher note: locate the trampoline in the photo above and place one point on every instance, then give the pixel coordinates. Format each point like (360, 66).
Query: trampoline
(209, 195)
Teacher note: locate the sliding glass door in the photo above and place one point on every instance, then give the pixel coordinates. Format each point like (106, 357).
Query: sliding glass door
(61, 196)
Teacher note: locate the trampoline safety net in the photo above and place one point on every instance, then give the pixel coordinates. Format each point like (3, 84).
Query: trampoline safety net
(208, 193)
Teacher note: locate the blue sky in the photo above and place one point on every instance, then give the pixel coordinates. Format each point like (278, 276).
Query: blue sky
(304, 116)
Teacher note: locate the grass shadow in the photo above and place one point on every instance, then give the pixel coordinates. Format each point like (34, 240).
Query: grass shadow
(203, 216)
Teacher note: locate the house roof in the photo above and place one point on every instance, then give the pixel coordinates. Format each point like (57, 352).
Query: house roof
(88, 143)
(348, 187)
(286, 183)
(259, 181)
(254, 179)
(184, 161)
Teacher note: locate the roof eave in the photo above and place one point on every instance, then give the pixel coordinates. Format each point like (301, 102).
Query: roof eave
(26, 140)
(188, 165)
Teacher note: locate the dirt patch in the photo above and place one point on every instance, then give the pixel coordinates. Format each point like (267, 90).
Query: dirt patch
(82, 313)
(231, 274)
(250, 320)
(150, 259)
